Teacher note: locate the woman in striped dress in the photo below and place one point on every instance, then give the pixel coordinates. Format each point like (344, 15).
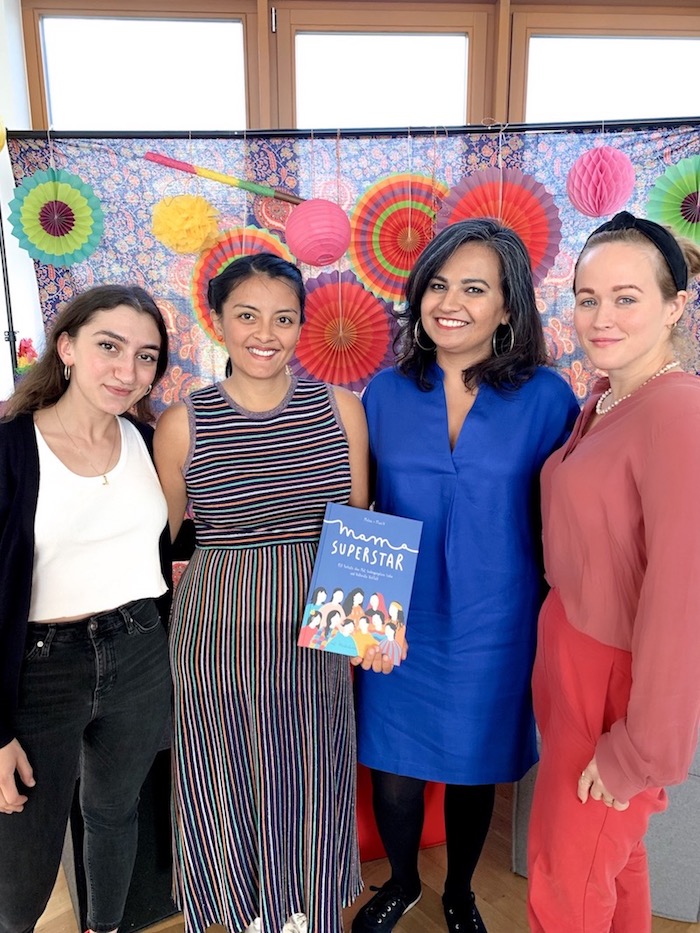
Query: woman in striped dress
(264, 746)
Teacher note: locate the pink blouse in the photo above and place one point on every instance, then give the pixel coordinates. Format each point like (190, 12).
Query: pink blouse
(621, 520)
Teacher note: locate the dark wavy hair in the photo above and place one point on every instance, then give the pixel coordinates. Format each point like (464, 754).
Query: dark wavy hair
(509, 369)
(45, 383)
(238, 271)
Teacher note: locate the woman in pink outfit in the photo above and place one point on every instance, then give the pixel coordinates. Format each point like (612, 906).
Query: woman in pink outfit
(615, 682)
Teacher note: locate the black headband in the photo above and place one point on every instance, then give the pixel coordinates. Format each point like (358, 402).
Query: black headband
(664, 241)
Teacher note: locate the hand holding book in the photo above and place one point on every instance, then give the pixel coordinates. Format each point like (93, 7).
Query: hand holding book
(361, 587)
(374, 660)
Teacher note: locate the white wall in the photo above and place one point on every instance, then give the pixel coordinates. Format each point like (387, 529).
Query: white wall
(14, 113)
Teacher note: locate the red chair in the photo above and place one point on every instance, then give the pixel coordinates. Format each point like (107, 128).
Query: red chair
(370, 843)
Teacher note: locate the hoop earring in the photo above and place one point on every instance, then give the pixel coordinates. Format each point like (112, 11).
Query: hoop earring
(495, 342)
(287, 369)
(66, 372)
(417, 341)
(148, 390)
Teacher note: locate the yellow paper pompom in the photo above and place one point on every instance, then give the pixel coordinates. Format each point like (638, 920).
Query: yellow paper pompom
(186, 223)
(3, 135)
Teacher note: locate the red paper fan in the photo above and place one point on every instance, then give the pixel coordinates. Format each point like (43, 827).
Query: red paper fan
(516, 200)
(347, 334)
(392, 223)
(232, 244)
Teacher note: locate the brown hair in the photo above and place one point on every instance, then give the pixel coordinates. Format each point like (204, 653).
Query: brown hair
(45, 383)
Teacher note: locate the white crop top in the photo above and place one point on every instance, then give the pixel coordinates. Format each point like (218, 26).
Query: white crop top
(96, 545)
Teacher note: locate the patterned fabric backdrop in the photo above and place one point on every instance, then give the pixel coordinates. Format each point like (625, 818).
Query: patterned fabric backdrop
(396, 189)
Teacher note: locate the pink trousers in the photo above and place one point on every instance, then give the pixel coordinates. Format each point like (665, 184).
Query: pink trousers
(587, 864)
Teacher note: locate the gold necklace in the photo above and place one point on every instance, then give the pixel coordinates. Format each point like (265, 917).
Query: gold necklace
(102, 473)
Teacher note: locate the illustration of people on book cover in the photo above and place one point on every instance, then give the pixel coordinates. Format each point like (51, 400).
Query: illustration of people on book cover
(361, 585)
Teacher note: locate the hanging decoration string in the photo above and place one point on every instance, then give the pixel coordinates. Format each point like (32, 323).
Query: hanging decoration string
(337, 168)
(195, 185)
(49, 140)
(500, 171)
(245, 193)
(341, 333)
(312, 159)
(433, 177)
(410, 184)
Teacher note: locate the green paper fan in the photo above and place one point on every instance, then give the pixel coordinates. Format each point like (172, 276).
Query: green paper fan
(675, 198)
(56, 217)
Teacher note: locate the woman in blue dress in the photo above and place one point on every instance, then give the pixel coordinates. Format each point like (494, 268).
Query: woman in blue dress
(459, 430)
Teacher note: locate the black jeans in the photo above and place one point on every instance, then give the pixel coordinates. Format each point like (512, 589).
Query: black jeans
(94, 703)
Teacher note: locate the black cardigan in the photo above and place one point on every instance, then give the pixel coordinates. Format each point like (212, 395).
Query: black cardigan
(19, 492)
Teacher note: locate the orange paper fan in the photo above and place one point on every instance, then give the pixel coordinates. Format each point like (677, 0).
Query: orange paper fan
(392, 223)
(516, 200)
(347, 334)
(232, 244)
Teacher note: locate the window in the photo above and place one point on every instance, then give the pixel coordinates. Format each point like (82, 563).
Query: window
(142, 64)
(162, 75)
(331, 64)
(569, 67)
(610, 77)
(380, 65)
(334, 88)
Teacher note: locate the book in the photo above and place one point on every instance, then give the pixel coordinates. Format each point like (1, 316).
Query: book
(360, 589)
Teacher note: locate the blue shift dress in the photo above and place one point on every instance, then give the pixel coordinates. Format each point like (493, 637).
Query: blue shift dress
(459, 708)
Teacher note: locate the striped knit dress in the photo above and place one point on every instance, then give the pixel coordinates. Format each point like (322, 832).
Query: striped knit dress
(264, 744)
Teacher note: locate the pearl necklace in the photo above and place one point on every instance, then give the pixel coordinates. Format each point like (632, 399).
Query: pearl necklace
(599, 410)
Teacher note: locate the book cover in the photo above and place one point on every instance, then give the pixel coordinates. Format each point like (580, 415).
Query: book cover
(361, 584)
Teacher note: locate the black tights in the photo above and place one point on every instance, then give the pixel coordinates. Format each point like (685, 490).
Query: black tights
(399, 811)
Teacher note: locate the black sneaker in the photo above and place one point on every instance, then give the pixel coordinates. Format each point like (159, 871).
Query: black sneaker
(384, 910)
(463, 918)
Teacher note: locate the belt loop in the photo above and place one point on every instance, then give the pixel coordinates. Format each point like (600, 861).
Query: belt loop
(44, 643)
(128, 619)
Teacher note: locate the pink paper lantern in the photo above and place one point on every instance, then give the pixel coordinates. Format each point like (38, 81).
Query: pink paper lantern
(318, 232)
(600, 181)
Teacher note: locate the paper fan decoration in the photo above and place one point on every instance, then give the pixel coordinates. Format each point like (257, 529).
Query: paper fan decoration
(347, 334)
(675, 198)
(600, 181)
(391, 224)
(516, 200)
(232, 244)
(186, 223)
(56, 217)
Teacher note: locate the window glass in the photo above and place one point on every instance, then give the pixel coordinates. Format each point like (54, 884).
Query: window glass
(144, 74)
(611, 78)
(380, 79)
